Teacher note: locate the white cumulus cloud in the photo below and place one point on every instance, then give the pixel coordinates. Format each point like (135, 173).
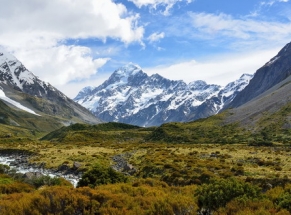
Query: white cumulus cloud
(62, 64)
(35, 32)
(59, 19)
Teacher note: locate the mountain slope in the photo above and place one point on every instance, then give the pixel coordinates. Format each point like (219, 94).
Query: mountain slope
(22, 119)
(262, 121)
(131, 96)
(271, 107)
(272, 73)
(22, 90)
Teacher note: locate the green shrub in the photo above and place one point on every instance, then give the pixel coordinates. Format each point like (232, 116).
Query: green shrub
(218, 193)
(4, 169)
(261, 143)
(48, 181)
(284, 200)
(99, 175)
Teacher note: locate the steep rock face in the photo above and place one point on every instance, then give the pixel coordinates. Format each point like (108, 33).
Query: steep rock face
(14, 74)
(131, 96)
(265, 109)
(22, 86)
(272, 73)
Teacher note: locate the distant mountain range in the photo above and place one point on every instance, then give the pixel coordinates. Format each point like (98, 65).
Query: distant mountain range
(258, 114)
(25, 96)
(131, 96)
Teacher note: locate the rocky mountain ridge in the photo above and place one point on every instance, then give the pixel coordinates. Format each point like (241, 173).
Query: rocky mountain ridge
(267, 98)
(131, 96)
(272, 73)
(21, 90)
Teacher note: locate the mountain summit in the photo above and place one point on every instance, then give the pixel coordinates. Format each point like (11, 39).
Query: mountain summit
(131, 96)
(128, 70)
(21, 90)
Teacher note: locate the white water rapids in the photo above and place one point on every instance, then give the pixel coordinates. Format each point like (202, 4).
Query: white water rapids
(7, 160)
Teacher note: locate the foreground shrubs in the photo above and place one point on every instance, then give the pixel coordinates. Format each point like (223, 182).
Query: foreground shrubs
(99, 175)
(218, 193)
(141, 197)
(284, 199)
(47, 181)
(147, 196)
(251, 207)
(9, 185)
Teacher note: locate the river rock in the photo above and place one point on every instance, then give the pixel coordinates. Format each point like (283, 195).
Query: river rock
(76, 165)
(129, 168)
(63, 168)
(31, 175)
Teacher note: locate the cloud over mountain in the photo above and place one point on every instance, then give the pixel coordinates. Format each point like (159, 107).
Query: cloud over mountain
(37, 31)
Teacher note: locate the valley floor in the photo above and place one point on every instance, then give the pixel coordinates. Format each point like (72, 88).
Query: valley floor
(162, 178)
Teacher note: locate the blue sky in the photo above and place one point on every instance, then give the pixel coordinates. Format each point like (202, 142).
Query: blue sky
(77, 43)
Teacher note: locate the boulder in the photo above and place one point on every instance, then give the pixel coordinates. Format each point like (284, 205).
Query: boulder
(76, 165)
(63, 167)
(31, 175)
(130, 169)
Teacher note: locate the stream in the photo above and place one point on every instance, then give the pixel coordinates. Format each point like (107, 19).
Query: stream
(21, 165)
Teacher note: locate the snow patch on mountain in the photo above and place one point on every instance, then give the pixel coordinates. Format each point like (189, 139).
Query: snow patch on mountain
(273, 60)
(231, 90)
(128, 70)
(16, 104)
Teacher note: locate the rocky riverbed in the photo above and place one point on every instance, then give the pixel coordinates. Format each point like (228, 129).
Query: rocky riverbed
(19, 160)
(122, 165)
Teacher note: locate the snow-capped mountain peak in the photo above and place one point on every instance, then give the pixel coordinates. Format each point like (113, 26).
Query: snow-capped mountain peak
(14, 71)
(6, 56)
(131, 96)
(246, 77)
(22, 89)
(85, 91)
(124, 75)
(229, 92)
(242, 82)
(128, 70)
(14, 74)
(195, 85)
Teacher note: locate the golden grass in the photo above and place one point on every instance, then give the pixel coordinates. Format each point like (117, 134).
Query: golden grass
(186, 157)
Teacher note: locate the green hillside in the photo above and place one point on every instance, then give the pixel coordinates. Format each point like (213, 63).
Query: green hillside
(104, 132)
(271, 127)
(16, 117)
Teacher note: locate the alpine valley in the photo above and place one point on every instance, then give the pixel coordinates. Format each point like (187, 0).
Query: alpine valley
(131, 96)
(213, 150)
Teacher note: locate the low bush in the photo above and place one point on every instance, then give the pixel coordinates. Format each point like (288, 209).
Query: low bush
(99, 175)
(219, 192)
